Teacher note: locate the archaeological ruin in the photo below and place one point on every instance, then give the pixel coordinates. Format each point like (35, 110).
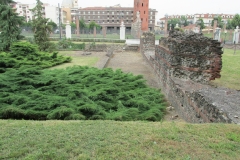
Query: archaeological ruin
(185, 63)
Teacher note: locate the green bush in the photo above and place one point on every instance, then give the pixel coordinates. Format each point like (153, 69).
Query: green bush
(68, 44)
(77, 93)
(26, 54)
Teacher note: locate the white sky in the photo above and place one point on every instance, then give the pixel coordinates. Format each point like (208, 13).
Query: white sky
(164, 6)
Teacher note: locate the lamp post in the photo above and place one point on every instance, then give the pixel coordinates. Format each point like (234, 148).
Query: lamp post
(166, 24)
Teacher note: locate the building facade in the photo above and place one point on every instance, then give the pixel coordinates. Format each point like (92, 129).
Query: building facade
(111, 17)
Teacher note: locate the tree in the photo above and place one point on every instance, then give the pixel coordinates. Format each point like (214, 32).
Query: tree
(41, 28)
(82, 24)
(220, 23)
(10, 25)
(73, 27)
(229, 24)
(173, 22)
(236, 21)
(184, 21)
(201, 23)
(53, 25)
(6, 2)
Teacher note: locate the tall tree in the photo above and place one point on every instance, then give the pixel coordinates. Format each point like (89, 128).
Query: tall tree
(236, 21)
(10, 25)
(41, 28)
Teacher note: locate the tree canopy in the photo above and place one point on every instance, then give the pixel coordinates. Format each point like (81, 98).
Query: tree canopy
(10, 25)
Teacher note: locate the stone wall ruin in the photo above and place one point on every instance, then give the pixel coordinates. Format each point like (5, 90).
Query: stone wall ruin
(185, 63)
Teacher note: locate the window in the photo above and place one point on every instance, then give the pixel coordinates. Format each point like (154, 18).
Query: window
(142, 4)
(20, 6)
(112, 13)
(88, 12)
(93, 12)
(150, 22)
(98, 16)
(151, 13)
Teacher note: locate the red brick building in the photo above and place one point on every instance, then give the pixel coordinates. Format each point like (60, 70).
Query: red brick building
(143, 7)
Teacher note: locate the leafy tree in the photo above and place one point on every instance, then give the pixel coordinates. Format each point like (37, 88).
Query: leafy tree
(201, 23)
(82, 24)
(184, 21)
(73, 27)
(229, 24)
(173, 22)
(220, 23)
(10, 25)
(53, 24)
(41, 28)
(236, 21)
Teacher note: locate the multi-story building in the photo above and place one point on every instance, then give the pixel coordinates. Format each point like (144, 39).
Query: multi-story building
(49, 11)
(111, 17)
(207, 18)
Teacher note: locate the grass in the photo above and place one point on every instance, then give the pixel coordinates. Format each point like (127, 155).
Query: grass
(118, 140)
(230, 74)
(76, 60)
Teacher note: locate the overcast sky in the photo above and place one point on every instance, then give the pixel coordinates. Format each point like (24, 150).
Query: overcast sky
(164, 6)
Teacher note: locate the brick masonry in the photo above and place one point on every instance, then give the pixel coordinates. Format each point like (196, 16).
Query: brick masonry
(185, 64)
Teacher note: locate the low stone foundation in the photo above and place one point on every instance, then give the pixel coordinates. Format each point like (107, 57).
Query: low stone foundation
(185, 63)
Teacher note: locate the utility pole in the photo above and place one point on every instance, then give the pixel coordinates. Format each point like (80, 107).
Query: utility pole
(60, 25)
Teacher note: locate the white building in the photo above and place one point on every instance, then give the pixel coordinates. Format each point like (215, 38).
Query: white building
(49, 11)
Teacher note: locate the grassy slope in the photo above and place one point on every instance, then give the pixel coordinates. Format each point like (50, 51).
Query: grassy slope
(230, 71)
(76, 60)
(117, 140)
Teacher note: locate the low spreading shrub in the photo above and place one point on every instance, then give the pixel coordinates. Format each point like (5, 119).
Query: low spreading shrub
(77, 93)
(26, 54)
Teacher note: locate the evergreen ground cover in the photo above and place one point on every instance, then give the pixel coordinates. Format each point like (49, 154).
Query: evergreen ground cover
(77, 93)
(26, 54)
(92, 140)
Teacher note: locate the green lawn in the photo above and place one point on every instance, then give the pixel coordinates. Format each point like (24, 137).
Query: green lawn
(76, 60)
(230, 74)
(30, 140)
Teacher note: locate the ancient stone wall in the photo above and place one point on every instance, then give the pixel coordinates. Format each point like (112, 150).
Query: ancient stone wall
(184, 64)
(190, 56)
